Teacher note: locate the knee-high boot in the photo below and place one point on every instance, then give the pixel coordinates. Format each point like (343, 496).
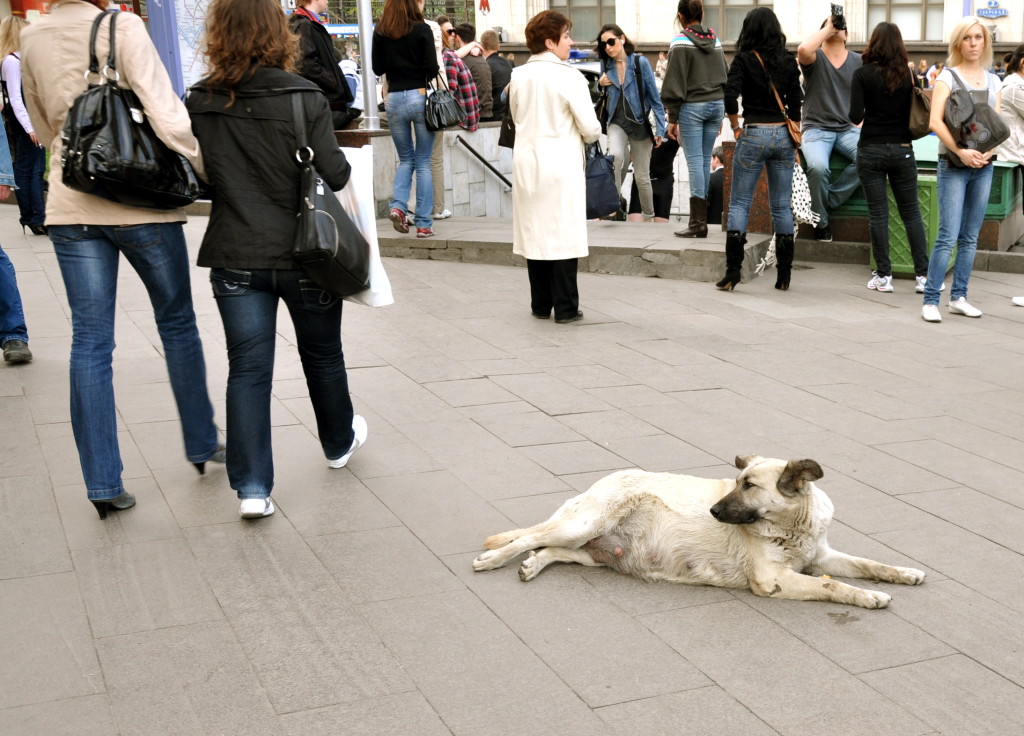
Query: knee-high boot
(784, 260)
(698, 224)
(734, 243)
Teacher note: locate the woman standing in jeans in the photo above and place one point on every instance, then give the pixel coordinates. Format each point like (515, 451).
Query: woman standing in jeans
(90, 234)
(243, 115)
(694, 96)
(881, 94)
(761, 63)
(964, 184)
(629, 133)
(403, 49)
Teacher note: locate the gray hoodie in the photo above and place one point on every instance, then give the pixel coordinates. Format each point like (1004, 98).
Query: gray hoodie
(697, 71)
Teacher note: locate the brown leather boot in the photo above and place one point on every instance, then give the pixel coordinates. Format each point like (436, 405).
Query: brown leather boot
(698, 225)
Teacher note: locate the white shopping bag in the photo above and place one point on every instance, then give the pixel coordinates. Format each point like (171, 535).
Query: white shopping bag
(357, 199)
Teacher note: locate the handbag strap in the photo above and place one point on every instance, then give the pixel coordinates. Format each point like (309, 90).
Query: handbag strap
(640, 85)
(94, 62)
(301, 137)
(772, 85)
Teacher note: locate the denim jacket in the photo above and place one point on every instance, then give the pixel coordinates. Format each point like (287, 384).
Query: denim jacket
(6, 167)
(653, 101)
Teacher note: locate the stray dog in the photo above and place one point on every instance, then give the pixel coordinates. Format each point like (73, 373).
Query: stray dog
(766, 530)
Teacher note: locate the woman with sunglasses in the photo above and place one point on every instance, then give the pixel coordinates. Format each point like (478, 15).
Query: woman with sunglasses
(629, 130)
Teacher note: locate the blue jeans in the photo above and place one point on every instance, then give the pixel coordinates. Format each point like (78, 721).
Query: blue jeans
(29, 165)
(413, 144)
(88, 256)
(817, 147)
(762, 146)
(12, 317)
(247, 301)
(963, 197)
(896, 161)
(699, 125)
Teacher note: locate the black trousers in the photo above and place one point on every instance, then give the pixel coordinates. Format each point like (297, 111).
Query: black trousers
(553, 285)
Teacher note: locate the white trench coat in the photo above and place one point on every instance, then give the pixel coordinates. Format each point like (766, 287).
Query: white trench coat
(554, 117)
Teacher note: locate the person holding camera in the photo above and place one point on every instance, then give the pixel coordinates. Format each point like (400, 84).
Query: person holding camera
(828, 68)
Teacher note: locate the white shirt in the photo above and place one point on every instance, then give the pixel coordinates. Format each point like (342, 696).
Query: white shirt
(10, 72)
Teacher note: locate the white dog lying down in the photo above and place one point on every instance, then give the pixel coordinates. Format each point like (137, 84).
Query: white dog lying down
(766, 530)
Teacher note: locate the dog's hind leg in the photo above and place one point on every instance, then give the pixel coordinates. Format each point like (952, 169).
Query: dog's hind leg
(540, 559)
(830, 562)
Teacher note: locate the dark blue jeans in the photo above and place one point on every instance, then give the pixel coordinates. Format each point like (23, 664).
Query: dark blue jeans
(896, 161)
(762, 147)
(12, 316)
(247, 300)
(29, 165)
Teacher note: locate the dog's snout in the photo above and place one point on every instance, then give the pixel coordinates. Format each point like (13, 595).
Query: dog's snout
(716, 510)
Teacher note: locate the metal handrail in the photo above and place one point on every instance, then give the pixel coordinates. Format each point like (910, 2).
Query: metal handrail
(485, 162)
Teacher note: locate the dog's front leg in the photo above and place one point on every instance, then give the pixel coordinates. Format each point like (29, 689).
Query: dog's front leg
(830, 562)
(785, 583)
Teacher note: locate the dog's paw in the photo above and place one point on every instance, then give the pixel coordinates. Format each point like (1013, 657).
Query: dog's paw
(910, 576)
(873, 599)
(529, 569)
(487, 561)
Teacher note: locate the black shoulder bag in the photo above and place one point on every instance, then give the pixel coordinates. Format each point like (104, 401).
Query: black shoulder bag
(645, 119)
(111, 151)
(442, 109)
(973, 125)
(328, 245)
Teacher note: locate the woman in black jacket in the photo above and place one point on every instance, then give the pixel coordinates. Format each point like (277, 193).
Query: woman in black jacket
(761, 63)
(880, 96)
(242, 116)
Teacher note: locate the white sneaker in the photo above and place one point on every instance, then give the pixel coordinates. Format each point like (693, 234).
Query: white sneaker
(922, 280)
(880, 283)
(961, 306)
(359, 432)
(1018, 301)
(442, 215)
(256, 508)
(930, 313)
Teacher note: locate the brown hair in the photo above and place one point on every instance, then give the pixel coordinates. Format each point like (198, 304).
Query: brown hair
(398, 18)
(546, 25)
(691, 10)
(244, 35)
(490, 40)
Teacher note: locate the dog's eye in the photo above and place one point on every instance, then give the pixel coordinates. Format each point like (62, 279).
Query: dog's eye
(747, 485)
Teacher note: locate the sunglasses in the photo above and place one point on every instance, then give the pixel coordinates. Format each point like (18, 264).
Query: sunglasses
(610, 42)
(450, 31)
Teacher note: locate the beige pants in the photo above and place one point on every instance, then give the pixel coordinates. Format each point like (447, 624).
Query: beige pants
(621, 146)
(437, 171)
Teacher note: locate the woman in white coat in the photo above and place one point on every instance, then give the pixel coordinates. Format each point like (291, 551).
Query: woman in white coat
(554, 117)
(1012, 111)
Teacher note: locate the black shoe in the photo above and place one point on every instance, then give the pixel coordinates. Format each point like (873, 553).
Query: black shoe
(38, 229)
(117, 503)
(567, 320)
(538, 315)
(823, 234)
(218, 457)
(16, 351)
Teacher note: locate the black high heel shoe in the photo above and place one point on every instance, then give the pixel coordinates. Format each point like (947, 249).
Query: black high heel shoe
(217, 457)
(35, 229)
(117, 503)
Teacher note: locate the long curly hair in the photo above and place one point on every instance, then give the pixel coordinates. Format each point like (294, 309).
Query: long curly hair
(243, 36)
(887, 50)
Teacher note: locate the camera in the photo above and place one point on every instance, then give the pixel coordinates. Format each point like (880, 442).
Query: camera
(838, 20)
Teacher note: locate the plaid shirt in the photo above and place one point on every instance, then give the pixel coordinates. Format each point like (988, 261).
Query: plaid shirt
(461, 83)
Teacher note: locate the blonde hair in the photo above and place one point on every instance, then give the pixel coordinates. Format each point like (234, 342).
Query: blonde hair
(957, 37)
(10, 34)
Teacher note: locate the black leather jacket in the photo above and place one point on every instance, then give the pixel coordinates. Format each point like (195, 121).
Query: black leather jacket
(249, 153)
(318, 60)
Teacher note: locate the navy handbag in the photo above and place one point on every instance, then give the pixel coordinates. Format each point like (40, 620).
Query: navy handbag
(602, 195)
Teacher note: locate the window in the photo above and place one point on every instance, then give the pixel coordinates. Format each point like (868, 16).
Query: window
(919, 20)
(587, 17)
(726, 16)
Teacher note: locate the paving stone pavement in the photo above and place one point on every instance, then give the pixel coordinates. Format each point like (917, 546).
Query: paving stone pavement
(354, 609)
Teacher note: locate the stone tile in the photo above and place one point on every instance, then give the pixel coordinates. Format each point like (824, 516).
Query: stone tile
(31, 538)
(530, 510)
(671, 352)
(185, 680)
(934, 691)
(830, 698)
(589, 376)
(574, 457)
(150, 519)
(976, 512)
(45, 644)
(381, 564)
(396, 398)
(295, 624)
(866, 509)
(660, 453)
(17, 438)
(143, 586)
(470, 392)
(627, 397)
(528, 428)
(874, 402)
(443, 513)
(549, 394)
(88, 715)
(406, 714)
(603, 427)
(996, 446)
(474, 671)
(706, 711)
(631, 663)
(195, 500)
(637, 597)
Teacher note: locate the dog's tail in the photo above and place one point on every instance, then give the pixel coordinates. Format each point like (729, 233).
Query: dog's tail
(498, 541)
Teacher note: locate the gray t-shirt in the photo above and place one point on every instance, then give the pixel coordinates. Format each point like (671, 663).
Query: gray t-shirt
(989, 93)
(827, 92)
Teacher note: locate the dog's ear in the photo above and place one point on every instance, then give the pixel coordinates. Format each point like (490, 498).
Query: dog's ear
(743, 461)
(797, 474)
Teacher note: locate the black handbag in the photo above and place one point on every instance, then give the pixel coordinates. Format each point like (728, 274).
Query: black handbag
(601, 110)
(602, 194)
(972, 125)
(442, 109)
(110, 149)
(328, 245)
(507, 135)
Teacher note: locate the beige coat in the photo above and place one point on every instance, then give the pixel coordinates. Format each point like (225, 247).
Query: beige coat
(1012, 110)
(554, 117)
(54, 58)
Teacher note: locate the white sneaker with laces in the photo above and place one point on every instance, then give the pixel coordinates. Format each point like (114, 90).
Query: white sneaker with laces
(962, 306)
(930, 313)
(256, 508)
(922, 280)
(359, 433)
(880, 283)
(442, 215)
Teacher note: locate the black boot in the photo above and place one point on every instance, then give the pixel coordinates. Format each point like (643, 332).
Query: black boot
(698, 225)
(734, 242)
(783, 260)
